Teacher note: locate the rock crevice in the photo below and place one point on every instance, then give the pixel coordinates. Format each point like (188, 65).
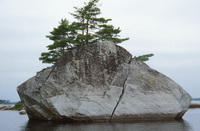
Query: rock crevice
(120, 97)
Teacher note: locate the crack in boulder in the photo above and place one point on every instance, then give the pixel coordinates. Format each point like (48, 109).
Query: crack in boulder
(120, 97)
(123, 90)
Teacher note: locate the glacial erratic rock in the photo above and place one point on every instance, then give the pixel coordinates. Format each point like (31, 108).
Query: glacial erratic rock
(102, 82)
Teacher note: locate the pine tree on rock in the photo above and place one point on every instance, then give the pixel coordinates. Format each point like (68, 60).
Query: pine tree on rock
(87, 29)
(93, 28)
(63, 38)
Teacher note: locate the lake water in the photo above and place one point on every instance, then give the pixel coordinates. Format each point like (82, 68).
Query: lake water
(12, 121)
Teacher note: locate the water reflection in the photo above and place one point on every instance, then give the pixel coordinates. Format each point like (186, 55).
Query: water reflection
(173, 125)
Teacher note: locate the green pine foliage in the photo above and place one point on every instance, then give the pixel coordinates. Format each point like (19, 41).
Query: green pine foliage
(63, 39)
(108, 32)
(87, 29)
(144, 57)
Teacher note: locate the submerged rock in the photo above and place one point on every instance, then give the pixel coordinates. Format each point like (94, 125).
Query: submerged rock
(102, 82)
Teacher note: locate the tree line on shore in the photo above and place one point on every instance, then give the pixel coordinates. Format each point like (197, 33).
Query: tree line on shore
(4, 101)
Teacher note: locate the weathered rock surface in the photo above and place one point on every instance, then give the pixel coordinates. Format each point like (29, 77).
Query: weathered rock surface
(102, 82)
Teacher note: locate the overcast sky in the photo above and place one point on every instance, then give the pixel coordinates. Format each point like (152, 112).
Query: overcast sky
(168, 28)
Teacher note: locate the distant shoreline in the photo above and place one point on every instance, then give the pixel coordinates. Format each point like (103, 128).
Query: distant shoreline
(195, 99)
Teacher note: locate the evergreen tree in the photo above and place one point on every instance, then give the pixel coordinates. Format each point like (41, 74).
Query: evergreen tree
(88, 29)
(93, 28)
(63, 39)
(87, 21)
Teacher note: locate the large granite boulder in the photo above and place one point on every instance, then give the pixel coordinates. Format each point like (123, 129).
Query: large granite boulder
(102, 82)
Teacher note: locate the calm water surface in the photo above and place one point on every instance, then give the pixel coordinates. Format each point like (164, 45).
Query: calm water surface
(12, 121)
